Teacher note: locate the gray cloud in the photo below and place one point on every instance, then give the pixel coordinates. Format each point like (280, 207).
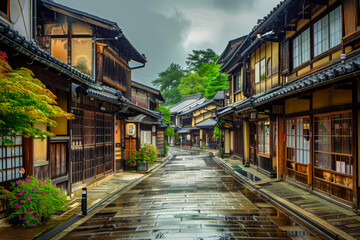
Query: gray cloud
(234, 5)
(166, 30)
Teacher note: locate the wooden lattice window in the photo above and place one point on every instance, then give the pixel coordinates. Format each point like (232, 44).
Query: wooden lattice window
(11, 161)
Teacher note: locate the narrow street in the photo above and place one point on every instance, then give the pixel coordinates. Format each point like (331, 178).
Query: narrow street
(191, 197)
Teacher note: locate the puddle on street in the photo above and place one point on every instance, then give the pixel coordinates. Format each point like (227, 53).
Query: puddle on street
(248, 175)
(190, 198)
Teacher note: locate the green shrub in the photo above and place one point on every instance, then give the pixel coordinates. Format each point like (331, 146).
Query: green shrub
(132, 161)
(148, 153)
(35, 201)
(166, 148)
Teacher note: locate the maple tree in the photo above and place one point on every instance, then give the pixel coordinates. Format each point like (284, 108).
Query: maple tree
(25, 102)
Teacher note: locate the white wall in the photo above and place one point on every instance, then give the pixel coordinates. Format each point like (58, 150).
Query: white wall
(20, 17)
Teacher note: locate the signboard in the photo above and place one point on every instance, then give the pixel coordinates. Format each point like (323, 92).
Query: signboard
(131, 129)
(253, 115)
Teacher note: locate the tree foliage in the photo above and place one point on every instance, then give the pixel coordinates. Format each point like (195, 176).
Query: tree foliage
(199, 57)
(168, 81)
(167, 116)
(25, 103)
(214, 80)
(202, 76)
(191, 83)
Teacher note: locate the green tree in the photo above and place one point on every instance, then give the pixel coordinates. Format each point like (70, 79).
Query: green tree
(198, 58)
(24, 104)
(191, 83)
(168, 82)
(167, 116)
(214, 80)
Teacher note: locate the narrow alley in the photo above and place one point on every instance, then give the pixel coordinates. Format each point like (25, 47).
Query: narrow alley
(191, 197)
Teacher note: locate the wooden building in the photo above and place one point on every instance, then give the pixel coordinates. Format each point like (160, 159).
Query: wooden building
(84, 61)
(150, 130)
(299, 99)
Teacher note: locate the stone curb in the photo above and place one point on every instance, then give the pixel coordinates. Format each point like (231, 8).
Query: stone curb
(77, 219)
(309, 217)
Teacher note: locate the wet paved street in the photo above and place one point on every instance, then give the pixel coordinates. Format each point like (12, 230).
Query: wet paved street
(191, 197)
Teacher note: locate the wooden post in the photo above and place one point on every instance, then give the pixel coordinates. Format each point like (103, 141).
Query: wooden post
(355, 144)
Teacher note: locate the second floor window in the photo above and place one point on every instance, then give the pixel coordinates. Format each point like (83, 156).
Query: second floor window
(260, 74)
(327, 32)
(301, 48)
(237, 83)
(268, 66)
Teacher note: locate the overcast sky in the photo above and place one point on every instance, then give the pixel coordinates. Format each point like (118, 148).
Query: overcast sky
(167, 30)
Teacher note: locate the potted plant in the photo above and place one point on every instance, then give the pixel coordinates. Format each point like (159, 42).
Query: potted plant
(145, 155)
(130, 165)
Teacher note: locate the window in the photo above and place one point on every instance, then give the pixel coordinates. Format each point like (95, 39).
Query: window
(262, 70)
(260, 74)
(81, 54)
(298, 140)
(4, 9)
(268, 67)
(264, 137)
(257, 72)
(237, 83)
(81, 44)
(335, 27)
(301, 48)
(11, 160)
(333, 142)
(327, 32)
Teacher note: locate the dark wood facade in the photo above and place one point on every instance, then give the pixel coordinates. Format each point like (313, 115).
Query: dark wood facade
(303, 120)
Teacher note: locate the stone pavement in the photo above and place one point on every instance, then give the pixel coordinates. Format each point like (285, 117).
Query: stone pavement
(191, 197)
(333, 217)
(95, 194)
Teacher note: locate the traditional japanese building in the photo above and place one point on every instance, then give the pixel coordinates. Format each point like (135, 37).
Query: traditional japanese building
(84, 60)
(294, 93)
(150, 130)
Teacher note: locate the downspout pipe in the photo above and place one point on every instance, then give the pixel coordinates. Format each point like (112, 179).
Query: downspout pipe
(34, 19)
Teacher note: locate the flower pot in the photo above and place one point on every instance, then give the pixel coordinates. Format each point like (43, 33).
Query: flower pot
(130, 168)
(142, 166)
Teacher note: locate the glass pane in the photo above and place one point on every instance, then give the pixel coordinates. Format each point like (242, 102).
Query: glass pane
(81, 56)
(81, 28)
(59, 49)
(56, 29)
(335, 27)
(305, 46)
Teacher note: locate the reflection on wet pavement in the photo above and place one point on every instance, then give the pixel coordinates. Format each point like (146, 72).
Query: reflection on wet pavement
(191, 197)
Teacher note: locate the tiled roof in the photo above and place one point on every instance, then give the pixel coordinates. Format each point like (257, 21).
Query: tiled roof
(220, 95)
(199, 106)
(186, 103)
(207, 123)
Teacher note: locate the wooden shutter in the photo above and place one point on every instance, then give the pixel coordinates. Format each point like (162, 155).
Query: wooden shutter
(285, 57)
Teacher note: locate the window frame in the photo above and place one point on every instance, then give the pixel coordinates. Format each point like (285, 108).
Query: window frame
(328, 37)
(263, 135)
(7, 14)
(269, 61)
(69, 36)
(331, 153)
(301, 51)
(237, 83)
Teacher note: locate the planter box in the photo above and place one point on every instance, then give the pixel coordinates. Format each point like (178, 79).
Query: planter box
(142, 166)
(127, 168)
